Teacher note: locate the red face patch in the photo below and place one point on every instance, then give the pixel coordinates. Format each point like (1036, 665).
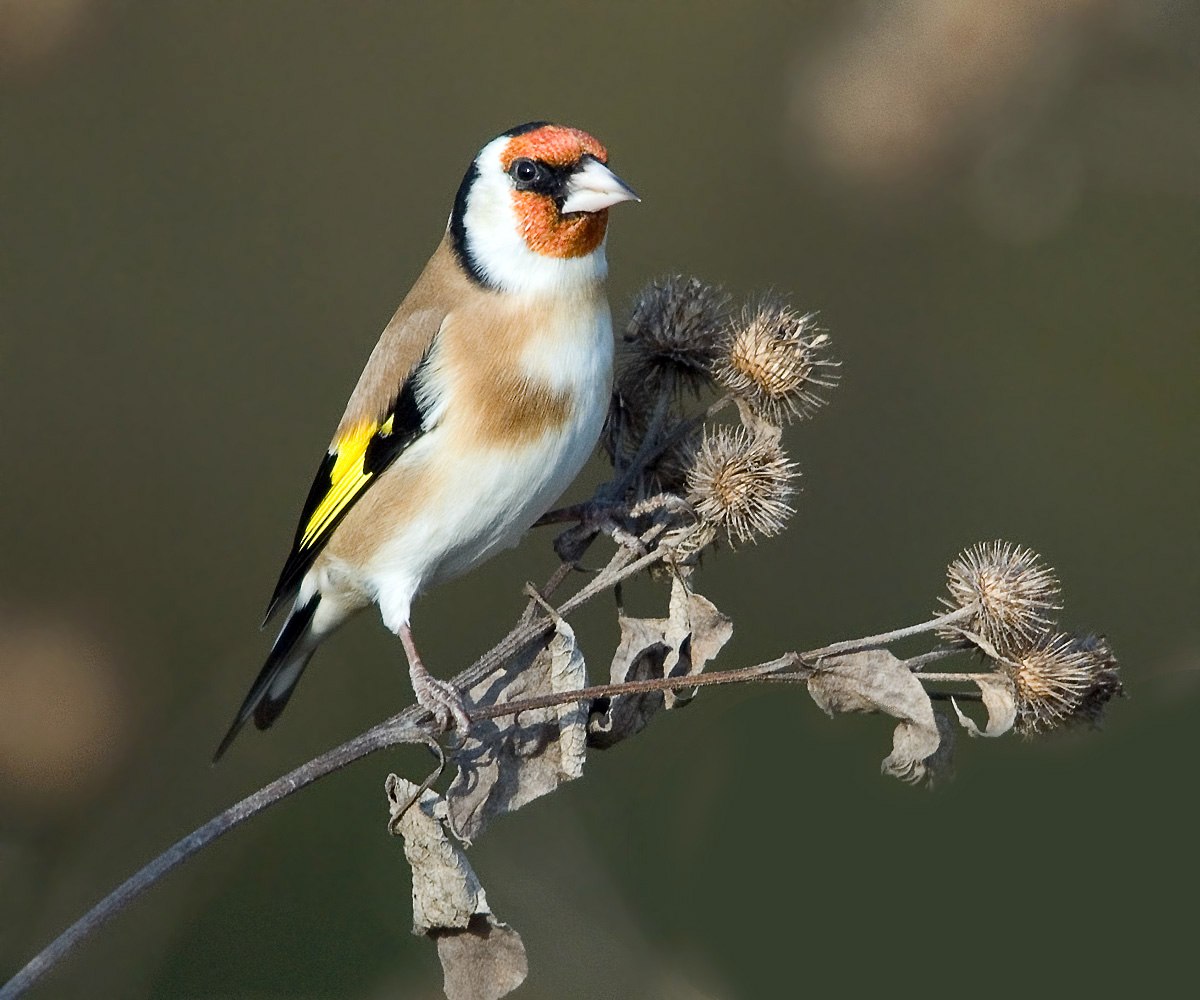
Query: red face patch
(554, 145)
(544, 229)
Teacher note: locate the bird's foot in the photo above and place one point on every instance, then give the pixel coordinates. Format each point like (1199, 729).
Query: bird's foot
(444, 700)
(596, 518)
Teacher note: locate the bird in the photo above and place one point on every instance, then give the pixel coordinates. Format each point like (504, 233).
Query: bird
(480, 403)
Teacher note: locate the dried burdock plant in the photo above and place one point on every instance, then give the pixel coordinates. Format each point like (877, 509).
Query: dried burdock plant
(777, 361)
(1063, 680)
(1013, 595)
(741, 483)
(681, 481)
(671, 341)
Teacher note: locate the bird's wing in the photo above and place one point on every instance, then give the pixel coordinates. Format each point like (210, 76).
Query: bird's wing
(387, 412)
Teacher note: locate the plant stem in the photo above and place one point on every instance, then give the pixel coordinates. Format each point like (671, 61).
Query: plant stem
(971, 678)
(717, 677)
(918, 663)
(884, 638)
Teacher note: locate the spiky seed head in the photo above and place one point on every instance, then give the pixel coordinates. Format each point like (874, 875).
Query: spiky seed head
(741, 484)
(774, 358)
(672, 339)
(1063, 679)
(1013, 594)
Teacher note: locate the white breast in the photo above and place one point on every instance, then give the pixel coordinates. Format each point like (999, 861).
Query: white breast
(488, 497)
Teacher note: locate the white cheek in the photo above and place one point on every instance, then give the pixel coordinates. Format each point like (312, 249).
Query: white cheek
(497, 247)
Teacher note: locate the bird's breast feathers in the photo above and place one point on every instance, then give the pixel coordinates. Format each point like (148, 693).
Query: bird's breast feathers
(512, 395)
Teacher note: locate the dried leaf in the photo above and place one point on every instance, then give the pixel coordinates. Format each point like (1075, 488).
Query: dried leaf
(568, 672)
(640, 655)
(875, 681)
(696, 633)
(482, 959)
(999, 699)
(483, 962)
(446, 892)
(679, 645)
(508, 762)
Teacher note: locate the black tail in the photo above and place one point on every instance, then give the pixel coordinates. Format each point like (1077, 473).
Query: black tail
(279, 675)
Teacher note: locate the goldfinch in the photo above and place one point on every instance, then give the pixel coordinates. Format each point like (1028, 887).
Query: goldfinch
(480, 403)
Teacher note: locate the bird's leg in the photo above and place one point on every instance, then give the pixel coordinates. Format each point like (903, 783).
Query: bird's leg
(442, 699)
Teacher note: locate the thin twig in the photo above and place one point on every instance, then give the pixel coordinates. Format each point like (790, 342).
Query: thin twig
(713, 679)
(613, 491)
(682, 429)
(885, 638)
(646, 453)
(918, 663)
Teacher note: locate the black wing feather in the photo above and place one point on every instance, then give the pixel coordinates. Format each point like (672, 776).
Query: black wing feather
(407, 424)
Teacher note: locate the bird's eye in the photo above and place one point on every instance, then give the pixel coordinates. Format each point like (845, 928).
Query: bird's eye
(524, 171)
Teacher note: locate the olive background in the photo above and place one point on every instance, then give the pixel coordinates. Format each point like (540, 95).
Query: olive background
(209, 212)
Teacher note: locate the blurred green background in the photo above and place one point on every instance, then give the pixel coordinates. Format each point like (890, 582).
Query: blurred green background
(209, 212)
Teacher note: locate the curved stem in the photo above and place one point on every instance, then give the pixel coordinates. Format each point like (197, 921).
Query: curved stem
(386, 734)
(680, 431)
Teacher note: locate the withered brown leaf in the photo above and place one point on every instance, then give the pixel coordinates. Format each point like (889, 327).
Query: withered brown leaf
(508, 762)
(680, 645)
(482, 958)
(1000, 700)
(876, 681)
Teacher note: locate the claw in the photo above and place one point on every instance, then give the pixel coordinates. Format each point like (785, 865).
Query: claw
(444, 700)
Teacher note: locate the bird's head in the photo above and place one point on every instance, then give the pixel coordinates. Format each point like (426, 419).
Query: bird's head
(532, 210)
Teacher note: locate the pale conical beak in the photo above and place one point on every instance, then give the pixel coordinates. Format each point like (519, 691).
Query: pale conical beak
(593, 187)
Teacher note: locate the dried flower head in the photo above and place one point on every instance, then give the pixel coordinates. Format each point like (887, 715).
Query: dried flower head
(741, 484)
(1013, 594)
(672, 339)
(1062, 679)
(775, 359)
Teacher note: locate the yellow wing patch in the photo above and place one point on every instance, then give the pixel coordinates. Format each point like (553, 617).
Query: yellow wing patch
(346, 479)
